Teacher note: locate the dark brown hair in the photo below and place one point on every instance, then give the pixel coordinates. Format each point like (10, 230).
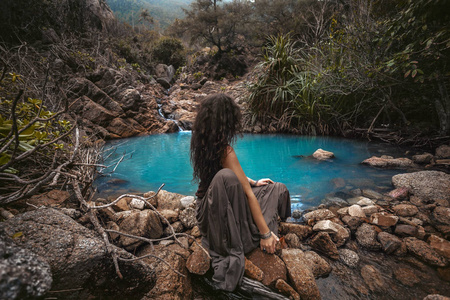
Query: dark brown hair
(217, 123)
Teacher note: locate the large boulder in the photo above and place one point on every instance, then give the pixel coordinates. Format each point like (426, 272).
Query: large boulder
(78, 257)
(389, 162)
(144, 223)
(429, 185)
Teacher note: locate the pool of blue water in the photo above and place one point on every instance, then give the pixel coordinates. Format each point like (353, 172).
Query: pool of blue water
(150, 161)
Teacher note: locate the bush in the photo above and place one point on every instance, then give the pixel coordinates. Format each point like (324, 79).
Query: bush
(169, 51)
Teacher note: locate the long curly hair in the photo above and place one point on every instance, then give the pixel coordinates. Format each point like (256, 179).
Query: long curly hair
(217, 123)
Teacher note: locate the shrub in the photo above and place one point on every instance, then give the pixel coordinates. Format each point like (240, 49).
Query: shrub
(169, 51)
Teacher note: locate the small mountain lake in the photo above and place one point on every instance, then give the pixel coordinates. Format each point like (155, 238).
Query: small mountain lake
(150, 161)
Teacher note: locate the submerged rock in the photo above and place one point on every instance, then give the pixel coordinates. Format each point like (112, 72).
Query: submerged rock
(389, 162)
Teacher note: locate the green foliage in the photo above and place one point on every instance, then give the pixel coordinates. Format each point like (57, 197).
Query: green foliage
(169, 51)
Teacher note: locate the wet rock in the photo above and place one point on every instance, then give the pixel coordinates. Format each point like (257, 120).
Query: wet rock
(318, 214)
(443, 151)
(338, 182)
(440, 245)
(388, 162)
(399, 193)
(168, 200)
(406, 276)
(427, 185)
(320, 154)
(300, 275)
(356, 211)
(302, 231)
(371, 194)
(253, 272)
(349, 257)
(334, 201)
(405, 210)
(352, 222)
(405, 230)
(366, 235)
(442, 215)
(144, 223)
(23, 274)
(383, 219)
(322, 242)
(292, 240)
(371, 209)
(373, 278)
(423, 159)
(198, 262)
(170, 215)
(187, 201)
(284, 288)
(423, 251)
(271, 265)
(318, 266)
(188, 217)
(389, 242)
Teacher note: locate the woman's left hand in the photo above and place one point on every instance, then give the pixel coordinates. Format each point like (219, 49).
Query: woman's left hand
(263, 181)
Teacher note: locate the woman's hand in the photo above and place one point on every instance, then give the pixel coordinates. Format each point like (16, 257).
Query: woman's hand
(268, 245)
(263, 181)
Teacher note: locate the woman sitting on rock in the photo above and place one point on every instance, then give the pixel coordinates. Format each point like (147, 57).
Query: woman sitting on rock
(234, 212)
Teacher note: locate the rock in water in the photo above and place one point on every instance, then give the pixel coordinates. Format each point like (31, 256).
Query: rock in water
(320, 154)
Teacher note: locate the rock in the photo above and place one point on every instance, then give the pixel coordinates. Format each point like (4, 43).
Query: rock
(320, 154)
(52, 198)
(342, 211)
(271, 265)
(322, 242)
(69, 248)
(302, 231)
(130, 98)
(387, 162)
(366, 235)
(383, 219)
(286, 289)
(296, 214)
(373, 278)
(317, 215)
(356, 211)
(198, 262)
(399, 193)
(334, 201)
(96, 113)
(338, 182)
(440, 245)
(168, 200)
(423, 159)
(443, 151)
(137, 204)
(122, 128)
(177, 227)
(5, 214)
(444, 273)
(164, 71)
(352, 222)
(423, 251)
(406, 276)
(187, 201)
(253, 272)
(144, 223)
(195, 232)
(405, 230)
(371, 209)
(355, 200)
(441, 215)
(405, 210)
(122, 205)
(292, 240)
(23, 274)
(318, 266)
(338, 233)
(349, 257)
(300, 275)
(428, 185)
(371, 194)
(389, 242)
(436, 297)
(170, 215)
(163, 82)
(365, 202)
(188, 217)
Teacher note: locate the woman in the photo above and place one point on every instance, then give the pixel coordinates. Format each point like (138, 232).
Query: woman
(234, 213)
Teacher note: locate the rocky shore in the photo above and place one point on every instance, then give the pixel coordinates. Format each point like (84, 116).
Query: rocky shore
(367, 246)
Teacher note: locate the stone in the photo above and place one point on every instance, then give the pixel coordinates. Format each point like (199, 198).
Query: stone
(121, 205)
(443, 151)
(352, 222)
(170, 215)
(320, 154)
(388, 162)
(342, 211)
(371, 209)
(444, 273)
(355, 200)
(338, 182)
(366, 235)
(334, 201)
(425, 252)
(371, 194)
(441, 215)
(399, 193)
(187, 201)
(338, 233)
(356, 211)
(284, 288)
(318, 266)
(403, 230)
(436, 297)
(52, 198)
(23, 274)
(70, 248)
(365, 202)
(428, 185)
(322, 242)
(177, 227)
(253, 272)
(389, 242)
(440, 245)
(168, 200)
(406, 276)
(198, 262)
(423, 159)
(123, 128)
(96, 113)
(318, 214)
(292, 240)
(349, 257)
(129, 98)
(195, 232)
(270, 264)
(373, 278)
(383, 219)
(188, 217)
(163, 82)
(302, 231)
(300, 275)
(405, 210)
(137, 204)
(144, 223)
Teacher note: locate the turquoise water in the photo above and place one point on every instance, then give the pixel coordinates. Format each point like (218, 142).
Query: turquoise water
(152, 160)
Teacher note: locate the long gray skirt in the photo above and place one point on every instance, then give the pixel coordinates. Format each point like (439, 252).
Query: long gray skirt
(227, 227)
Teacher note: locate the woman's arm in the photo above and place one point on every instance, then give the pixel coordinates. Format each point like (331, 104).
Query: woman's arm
(231, 162)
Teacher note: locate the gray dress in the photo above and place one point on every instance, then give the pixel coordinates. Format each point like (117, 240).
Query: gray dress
(227, 227)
